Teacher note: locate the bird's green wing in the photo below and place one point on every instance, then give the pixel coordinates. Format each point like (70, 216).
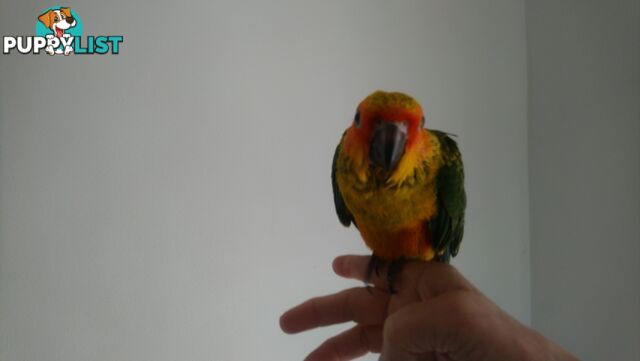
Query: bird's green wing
(447, 227)
(344, 215)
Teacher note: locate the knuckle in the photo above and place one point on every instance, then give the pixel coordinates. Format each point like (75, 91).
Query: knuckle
(363, 338)
(464, 306)
(461, 301)
(393, 331)
(315, 313)
(349, 304)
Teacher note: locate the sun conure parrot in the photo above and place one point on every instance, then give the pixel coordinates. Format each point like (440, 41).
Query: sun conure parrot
(399, 183)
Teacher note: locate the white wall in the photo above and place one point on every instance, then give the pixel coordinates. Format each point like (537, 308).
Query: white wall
(584, 91)
(170, 202)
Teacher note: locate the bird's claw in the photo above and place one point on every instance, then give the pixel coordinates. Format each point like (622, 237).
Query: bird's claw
(392, 271)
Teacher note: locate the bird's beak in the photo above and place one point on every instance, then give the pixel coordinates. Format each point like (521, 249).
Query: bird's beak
(387, 144)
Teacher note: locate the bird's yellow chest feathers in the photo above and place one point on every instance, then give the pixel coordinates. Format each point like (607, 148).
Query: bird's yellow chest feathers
(378, 207)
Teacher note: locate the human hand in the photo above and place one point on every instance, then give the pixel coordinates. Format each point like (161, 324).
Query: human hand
(435, 314)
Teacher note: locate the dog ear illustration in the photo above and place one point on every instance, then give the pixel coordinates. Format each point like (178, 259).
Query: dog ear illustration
(47, 18)
(66, 12)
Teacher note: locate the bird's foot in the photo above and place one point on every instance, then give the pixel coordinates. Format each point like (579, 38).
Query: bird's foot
(392, 270)
(395, 267)
(375, 264)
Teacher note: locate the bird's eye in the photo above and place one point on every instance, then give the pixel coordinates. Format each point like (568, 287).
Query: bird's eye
(356, 120)
(422, 122)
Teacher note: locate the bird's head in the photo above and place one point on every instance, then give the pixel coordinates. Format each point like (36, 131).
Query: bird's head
(384, 133)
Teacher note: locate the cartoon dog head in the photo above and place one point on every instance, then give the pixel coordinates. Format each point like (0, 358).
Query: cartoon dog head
(58, 20)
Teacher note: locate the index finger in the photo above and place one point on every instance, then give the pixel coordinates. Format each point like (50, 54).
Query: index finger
(368, 307)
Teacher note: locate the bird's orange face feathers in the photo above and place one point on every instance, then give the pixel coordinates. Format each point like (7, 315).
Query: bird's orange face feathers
(385, 130)
(386, 107)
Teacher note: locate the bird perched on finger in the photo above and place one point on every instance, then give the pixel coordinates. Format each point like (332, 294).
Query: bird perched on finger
(399, 183)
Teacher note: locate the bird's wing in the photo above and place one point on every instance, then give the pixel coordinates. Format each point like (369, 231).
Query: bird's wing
(344, 215)
(447, 227)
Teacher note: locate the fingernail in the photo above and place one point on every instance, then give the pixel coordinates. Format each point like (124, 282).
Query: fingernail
(338, 265)
(283, 325)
